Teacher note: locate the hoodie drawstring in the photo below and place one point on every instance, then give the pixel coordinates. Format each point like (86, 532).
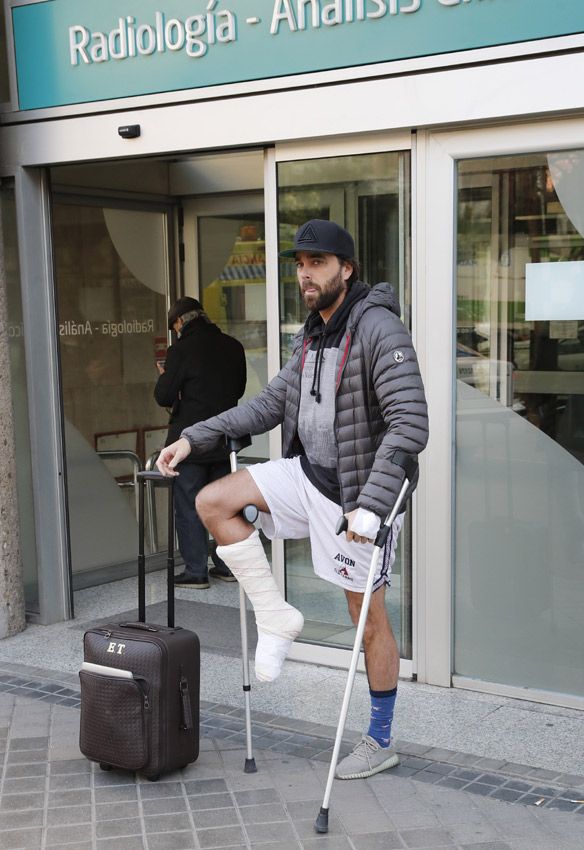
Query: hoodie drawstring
(315, 389)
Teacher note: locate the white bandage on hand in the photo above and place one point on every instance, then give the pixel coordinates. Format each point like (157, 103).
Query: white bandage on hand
(365, 523)
(278, 622)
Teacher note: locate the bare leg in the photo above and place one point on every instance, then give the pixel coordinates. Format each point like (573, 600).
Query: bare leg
(220, 503)
(381, 652)
(239, 546)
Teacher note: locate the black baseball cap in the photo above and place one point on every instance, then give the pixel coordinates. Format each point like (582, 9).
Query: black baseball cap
(180, 307)
(327, 237)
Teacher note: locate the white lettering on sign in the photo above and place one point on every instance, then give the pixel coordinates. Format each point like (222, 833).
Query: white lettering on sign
(130, 39)
(197, 33)
(296, 14)
(113, 329)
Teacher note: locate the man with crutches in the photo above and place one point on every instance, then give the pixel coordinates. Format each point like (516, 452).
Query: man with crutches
(353, 411)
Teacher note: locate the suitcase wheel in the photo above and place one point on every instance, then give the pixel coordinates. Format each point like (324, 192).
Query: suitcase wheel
(154, 778)
(105, 766)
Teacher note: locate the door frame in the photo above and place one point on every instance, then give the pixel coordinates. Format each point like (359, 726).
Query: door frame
(354, 146)
(438, 153)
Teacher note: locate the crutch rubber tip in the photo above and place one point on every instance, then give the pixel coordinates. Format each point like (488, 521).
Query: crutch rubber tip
(250, 766)
(321, 824)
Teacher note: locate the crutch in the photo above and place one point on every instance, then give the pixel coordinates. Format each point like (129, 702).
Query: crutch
(250, 513)
(409, 464)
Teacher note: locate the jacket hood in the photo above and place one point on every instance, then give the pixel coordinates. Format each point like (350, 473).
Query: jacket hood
(380, 295)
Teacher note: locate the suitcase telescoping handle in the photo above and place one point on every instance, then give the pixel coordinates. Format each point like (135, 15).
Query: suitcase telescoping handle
(156, 479)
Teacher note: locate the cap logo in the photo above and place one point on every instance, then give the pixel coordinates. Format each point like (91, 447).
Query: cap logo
(307, 234)
(398, 356)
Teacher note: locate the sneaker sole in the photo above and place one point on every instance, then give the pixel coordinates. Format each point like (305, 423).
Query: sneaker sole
(192, 586)
(392, 761)
(225, 578)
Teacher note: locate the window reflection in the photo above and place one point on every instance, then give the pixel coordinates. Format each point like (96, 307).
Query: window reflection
(370, 196)
(519, 595)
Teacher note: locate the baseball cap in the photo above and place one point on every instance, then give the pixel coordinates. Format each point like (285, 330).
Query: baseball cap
(326, 236)
(180, 307)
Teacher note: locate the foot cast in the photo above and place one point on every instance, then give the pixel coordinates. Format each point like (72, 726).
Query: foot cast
(278, 623)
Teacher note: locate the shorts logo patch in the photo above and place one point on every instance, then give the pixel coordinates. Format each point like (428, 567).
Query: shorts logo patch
(343, 571)
(398, 356)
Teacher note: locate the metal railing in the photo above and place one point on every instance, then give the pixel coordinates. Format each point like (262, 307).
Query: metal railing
(125, 454)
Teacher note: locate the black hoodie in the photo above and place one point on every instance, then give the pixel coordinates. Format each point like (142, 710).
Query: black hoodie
(316, 417)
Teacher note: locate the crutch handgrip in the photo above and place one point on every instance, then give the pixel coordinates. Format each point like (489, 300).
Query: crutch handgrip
(250, 513)
(380, 540)
(236, 444)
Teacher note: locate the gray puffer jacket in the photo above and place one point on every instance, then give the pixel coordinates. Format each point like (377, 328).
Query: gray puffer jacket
(380, 405)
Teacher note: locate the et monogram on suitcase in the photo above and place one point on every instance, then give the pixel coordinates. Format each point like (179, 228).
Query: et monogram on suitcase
(140, 681)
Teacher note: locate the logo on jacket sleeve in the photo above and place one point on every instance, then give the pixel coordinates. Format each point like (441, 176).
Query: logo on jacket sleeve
(398, 356)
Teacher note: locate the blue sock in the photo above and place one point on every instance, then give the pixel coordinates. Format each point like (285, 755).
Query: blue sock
(382, 705)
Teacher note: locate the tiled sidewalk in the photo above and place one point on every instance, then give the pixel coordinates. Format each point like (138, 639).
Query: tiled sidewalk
(440, 800)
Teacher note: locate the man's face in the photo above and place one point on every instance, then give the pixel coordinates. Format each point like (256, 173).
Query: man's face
(322, 279)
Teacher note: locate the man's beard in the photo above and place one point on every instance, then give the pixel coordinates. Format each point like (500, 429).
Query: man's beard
(327, 295)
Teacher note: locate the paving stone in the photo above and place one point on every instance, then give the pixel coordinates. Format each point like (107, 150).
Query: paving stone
(164, 806)
(21, 820)
(120, 794)
(264, 813)
(70, 766)
(222, 837)
(507, 794)
(431, 837)
(28, 743)
(25, 838)
(167, 823)
(16, 771)
(384, 841)
(60, 836)
(479, 788)
(18, 802)
(256, 796)
(215, 817)
(68, 815)
(69, 798)
(205, 786)
(24, 786)
(115, 811)
(210, 801)
(488, 845)
(260, 833)
(131, 843)
(115, 828)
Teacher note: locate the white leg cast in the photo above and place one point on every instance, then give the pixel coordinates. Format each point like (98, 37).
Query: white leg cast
(279, 623)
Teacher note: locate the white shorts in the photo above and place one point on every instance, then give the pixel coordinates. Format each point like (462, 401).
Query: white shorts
(298, 510)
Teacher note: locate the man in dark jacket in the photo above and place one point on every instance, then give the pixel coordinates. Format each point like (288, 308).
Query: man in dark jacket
(351, 404)
(204, 374)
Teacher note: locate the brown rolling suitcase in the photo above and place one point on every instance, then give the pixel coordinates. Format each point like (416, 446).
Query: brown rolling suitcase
(140, 681)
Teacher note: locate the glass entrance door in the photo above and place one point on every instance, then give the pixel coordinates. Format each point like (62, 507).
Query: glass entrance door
(369, 194)
(112, 280)
(519, 594)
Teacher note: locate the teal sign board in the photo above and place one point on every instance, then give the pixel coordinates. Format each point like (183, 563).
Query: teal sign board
(80, 51)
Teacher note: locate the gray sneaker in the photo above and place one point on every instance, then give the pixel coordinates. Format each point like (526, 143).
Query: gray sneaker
(366, 759)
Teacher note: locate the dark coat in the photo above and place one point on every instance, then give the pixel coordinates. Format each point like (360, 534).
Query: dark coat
(204, 374)
(380, 405)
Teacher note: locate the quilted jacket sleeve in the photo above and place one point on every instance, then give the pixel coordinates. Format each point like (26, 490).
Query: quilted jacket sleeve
(397, 384)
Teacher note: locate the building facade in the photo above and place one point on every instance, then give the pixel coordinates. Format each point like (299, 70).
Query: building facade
(173, 147)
